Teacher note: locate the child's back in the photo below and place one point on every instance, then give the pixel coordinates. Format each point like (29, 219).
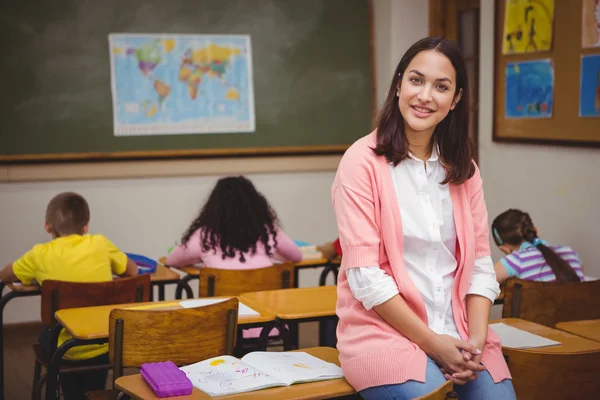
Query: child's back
(528, 263)
(73, 258)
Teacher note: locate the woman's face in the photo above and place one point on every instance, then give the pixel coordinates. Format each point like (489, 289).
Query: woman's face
(426, 93)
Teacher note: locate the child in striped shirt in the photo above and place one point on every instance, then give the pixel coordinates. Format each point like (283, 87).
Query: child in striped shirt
(529, 257)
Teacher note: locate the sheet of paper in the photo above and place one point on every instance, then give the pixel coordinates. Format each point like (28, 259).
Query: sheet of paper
(243, 311)
(519, 339)
(291, 367)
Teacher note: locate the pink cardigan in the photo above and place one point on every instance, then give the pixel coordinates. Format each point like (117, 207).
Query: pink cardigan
(372, 352)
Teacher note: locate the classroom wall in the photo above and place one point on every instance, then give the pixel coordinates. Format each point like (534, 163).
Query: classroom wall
(557, 185)
(147, 215)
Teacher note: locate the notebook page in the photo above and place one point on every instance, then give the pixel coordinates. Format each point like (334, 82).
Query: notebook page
(519, 339)
(293, 367)
(243, 310)
(225, 375)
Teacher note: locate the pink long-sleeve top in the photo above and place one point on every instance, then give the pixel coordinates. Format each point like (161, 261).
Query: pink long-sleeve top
(192, 253)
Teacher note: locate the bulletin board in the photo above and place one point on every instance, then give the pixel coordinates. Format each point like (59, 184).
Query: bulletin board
(565, 126)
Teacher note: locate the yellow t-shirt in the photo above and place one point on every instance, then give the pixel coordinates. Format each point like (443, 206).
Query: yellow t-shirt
(74, 258)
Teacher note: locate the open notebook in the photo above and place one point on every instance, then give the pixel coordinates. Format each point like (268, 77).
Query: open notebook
(519, 339)
(226, 375)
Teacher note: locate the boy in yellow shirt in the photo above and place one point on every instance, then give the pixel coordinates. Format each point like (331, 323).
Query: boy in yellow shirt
(72, 255)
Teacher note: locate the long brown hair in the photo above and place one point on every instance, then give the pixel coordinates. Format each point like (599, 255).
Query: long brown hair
(451, 134)
(515, 226)
(234, 219)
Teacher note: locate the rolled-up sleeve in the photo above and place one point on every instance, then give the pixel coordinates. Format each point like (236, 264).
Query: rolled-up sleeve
(371, 285)
(483, 281)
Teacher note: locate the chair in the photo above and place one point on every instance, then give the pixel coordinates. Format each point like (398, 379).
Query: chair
(554, 375)
(442, 393)
(548, 303)
(184, 336)
(58, 295)
(230, 282)
(226, 282)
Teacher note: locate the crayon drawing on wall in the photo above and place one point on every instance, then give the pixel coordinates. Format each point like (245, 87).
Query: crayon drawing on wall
(528, 26)
(590, 23)
(529, 89)
(589, 96)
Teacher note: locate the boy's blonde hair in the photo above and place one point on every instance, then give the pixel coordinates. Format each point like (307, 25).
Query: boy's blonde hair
(67, 214)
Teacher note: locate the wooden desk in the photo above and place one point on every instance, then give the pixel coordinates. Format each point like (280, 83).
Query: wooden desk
(292, 306)
(589, 329)
(569, 343)
(135, 387)
(89, 323)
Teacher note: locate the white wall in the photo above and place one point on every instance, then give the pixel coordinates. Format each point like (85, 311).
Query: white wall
(558, 186)
(147, 215)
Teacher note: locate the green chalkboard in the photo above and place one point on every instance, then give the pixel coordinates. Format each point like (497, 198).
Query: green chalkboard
(311, 61)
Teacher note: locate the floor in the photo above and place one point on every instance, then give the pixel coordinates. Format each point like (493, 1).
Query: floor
(19, 360)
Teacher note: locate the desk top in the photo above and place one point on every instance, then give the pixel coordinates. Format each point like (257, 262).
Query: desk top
(569, 343)
(161, 274)
(589, 329)
(298, 303)
(134, 386)
(92, 322)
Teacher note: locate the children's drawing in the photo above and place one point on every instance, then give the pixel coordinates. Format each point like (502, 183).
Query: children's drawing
(590, 23)
(529, 89)
(589, 95)
(528, 26)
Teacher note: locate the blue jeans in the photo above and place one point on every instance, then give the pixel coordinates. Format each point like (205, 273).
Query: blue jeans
(482, 388)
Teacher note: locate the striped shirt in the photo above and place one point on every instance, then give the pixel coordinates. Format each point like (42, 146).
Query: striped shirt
(529, 263)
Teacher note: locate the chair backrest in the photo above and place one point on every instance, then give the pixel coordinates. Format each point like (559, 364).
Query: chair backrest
(58, 295)
(536, 375)
(229, 282)
(440, 393)
(548, 303)
(181, 335)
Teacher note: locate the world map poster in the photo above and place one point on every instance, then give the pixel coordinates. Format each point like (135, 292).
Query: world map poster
(164, 84)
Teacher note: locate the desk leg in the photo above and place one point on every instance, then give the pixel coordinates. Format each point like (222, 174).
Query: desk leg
(184, 285)
(329, 268)
(5, 299)
(52, 377)
(327, 332)
(161, 292)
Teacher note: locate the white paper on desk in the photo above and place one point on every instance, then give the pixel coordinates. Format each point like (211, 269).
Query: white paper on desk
(519, 339)
(243, 310)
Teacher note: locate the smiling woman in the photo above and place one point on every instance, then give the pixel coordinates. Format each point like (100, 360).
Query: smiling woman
(413, 230)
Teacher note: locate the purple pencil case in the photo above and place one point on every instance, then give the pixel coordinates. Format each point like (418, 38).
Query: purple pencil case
(166, 379)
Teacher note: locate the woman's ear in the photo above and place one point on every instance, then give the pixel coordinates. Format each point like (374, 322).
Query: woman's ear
(456, 99)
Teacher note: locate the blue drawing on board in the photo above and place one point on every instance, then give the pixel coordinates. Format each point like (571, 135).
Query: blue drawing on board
(529, 89)
(589, 95)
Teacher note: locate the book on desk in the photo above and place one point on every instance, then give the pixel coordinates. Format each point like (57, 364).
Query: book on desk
(226, 375)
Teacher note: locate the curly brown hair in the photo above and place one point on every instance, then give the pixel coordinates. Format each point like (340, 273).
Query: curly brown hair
(235, 218)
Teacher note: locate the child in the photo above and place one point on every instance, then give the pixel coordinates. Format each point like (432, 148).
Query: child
(529, 257)
(72, 255)
(417, 282)
(236, 229)
(331, 250)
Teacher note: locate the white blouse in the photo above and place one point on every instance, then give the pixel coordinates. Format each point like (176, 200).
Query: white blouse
(429, 248)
